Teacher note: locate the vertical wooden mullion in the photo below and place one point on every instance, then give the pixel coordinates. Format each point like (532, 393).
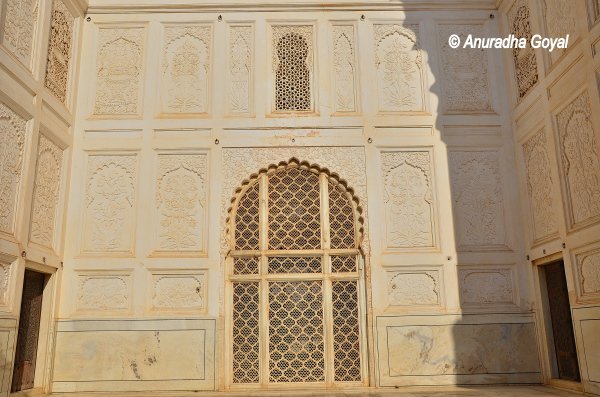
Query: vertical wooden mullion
(263, 220)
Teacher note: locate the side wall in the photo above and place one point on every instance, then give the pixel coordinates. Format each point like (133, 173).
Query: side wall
(556, 119)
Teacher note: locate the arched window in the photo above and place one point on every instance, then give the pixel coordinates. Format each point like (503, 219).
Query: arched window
(295, 281)
(292, 77)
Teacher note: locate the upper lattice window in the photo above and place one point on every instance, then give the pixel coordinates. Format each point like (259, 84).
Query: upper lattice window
(292, 59)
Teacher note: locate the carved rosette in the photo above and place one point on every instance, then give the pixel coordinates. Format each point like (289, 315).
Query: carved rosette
(526, 73)
(59, 50)
(344, 69)
(241, 42)
(12, 142)
(20, 21)
(45, 192)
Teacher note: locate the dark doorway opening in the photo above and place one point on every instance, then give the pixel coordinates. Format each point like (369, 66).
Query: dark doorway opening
(29, 331)
(563, 336)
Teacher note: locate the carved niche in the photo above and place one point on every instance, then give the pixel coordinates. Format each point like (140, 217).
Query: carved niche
(398, 60)
(241, 91)
(12, 142)
(5, 271)
(580, 161)
(103, 292)
(464, 71)
(120, 71)
(45, 192)
(539, 186)
(588, 267)
(483, 286)
(414, 288)
(525, 61)
(20, 20)
(477, 196)
(186, 69)
(560, 20)
(59, 50)
(408, 196)
(109, 220)
(181, 202)
(292, 52)
(344, 69)
(178, 291)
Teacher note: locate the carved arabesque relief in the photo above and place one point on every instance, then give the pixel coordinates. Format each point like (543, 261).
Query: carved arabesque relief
(414, 288)
(476, 183)
(45, 192)
(539, 186)
(409, 206)
(12, 142)
(5, 271)
(241, 42)
(178, 291)
(580, 161)
(110, 203)
(588, 266)
(103, 292)
(181, 201)
(344, 69)
(465, 71)
(120, 71)
(525, 61)
(486, 287)
(399, 68)
(560, 20)
(20, 21)
(292, 48)
(186, 69)
(59, 50)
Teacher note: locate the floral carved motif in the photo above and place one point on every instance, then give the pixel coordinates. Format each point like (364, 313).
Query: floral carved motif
(416, 288)
(186, 69)
(524, 59)
(181, 201)
(486, 287)
(539, 185)
(344, 68)
(240, 68)
(408, 199)
(476, 183)
(12, 142)
(580, 160)
(119, 69)
(45, 192)
(103, 292)
(178, 291)
(560, 20)
(465, 71)
(4, 283)
(399, 68)
(59, 50)
(588, 264)
(20, 20)
(110, 202)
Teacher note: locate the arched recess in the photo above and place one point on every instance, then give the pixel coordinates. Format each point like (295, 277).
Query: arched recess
(295, 281)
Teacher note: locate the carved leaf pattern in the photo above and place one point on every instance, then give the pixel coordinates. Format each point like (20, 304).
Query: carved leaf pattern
(103, 293)
(59, 50)
(12, 141)
(478, 198)
(181, 200)
(178, 292)
(539, 185)
(20, 20)
(240, 72)
(119, 69)
(580, 160)
(589, 272)
(524, 59)
(45, 192)
(110, 200)
(5, 271)
(344, 68)
(408, 199)
(417, 288)
(399, 68)
(186, 69)
(486, 287)
(560, 20)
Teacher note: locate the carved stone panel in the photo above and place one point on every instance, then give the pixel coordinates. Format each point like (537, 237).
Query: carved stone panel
(560, 20)
(186, 70)
(241, 69)
(12, 142)
(539, 186)
(399, 64)
(5, 272)
(178, 291)
(580, 161)
(525, 61)
(104, 292)
(410, 288)
(20, 21)
(484, 286)
(46, 192)
(120, 71)
(110, 201)
(345, 93)
(588, 272)
(464, 70)
(181, 195)
(409, 199)
(59, 50)
(478, 199)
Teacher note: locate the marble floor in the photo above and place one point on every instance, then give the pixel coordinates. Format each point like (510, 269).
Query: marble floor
(500, 391)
